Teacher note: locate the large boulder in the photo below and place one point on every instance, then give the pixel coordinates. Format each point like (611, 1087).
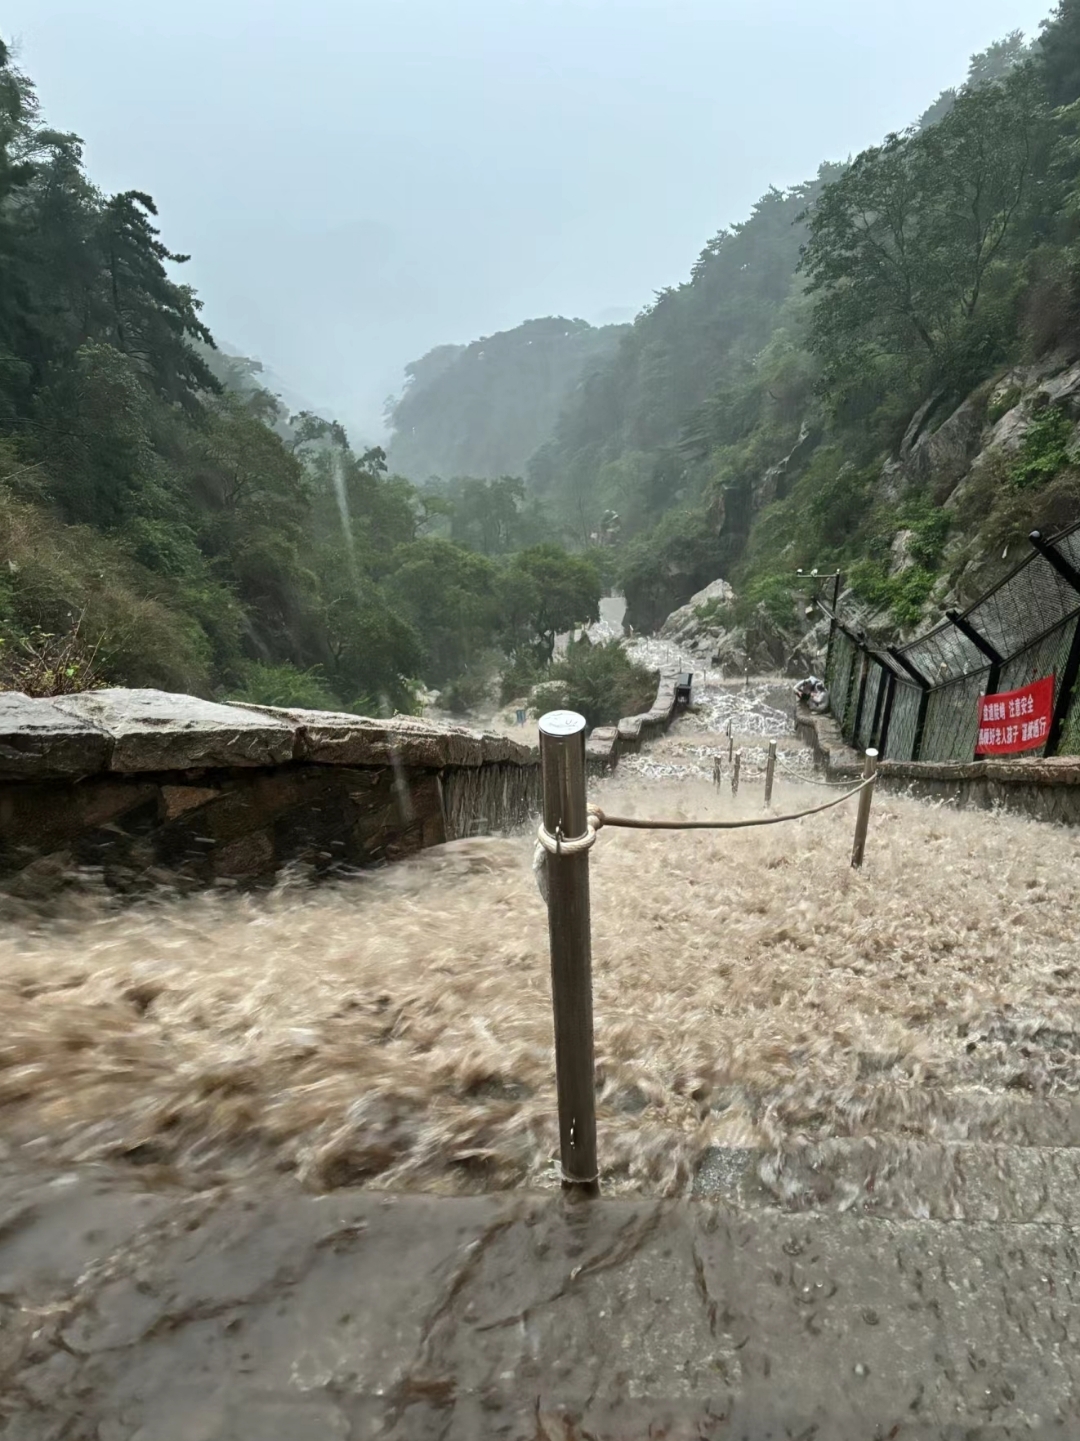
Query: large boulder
(685, 622)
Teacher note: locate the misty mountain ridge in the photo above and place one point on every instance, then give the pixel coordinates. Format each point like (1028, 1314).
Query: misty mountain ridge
(760, 416)
(483, 409)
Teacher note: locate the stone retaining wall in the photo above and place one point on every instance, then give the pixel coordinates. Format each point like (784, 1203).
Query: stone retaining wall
(1048, 790)
(136, 785)
(607, 743)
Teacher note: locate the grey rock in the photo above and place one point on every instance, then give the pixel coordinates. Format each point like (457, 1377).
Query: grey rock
(1008, 433)
(685, 620)
(1063, 390)
(41, 741)
(338, 738)
(945, 454)
(154, 730)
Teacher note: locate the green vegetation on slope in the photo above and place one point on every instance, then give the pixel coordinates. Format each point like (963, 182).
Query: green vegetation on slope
(749, 422)
(165, 522)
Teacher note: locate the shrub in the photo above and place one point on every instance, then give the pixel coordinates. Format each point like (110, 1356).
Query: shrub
(929, 526)
(1003, 404)
(1045, 451)
(524, 671)
(45, 664)
(283, 685)
(904, 595)
(600, 682)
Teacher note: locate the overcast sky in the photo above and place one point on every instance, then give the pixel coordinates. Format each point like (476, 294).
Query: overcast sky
(360, 180)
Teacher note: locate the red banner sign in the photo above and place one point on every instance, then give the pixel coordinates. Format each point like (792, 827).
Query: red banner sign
(1016, 720)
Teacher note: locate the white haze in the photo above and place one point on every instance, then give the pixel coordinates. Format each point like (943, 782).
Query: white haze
(360, 180)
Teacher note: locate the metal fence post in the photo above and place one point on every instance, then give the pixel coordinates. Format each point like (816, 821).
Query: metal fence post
(770, 773)
(864, 670)
(862, 819)
(1071, 672)
(562, 756)
(1069, 677)
(735, 773)
(982, 645)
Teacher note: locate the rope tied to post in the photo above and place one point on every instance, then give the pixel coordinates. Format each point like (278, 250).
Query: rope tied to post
(560, 845)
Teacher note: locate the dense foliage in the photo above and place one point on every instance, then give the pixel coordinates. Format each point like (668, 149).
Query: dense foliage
(599, 681)
(164, 521)
(743, 424)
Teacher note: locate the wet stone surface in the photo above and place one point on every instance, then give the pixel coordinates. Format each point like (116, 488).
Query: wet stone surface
(134, 1314)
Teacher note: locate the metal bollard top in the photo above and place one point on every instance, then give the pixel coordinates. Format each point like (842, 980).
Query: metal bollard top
(562, 723)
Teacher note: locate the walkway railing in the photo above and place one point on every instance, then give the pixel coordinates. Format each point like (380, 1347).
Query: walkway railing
(920, 701)
(564, 839)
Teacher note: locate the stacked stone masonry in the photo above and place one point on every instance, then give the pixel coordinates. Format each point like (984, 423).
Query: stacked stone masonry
(139, 785)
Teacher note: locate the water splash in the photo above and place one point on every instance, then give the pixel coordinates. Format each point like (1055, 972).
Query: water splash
(337, 476)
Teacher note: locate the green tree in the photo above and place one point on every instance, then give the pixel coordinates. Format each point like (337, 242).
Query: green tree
(448, 596)
(544, 592)
(146, 314)
(486, 514)
(1059, 53)
(903, 249)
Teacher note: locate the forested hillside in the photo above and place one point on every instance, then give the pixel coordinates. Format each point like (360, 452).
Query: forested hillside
(742, 428)
(823, 390)
(164, 521)
(481, 410)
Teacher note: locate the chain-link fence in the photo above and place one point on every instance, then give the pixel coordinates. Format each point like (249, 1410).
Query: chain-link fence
(920, 701)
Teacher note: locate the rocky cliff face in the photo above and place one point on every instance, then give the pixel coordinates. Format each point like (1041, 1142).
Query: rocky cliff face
(705, 630)
(1004, 462)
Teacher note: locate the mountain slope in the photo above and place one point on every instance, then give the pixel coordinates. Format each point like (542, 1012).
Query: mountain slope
(480, 410)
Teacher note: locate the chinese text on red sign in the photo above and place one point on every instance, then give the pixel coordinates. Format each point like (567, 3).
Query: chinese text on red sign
(1016, 720)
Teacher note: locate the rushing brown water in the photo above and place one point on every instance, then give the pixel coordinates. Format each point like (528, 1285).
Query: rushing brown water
(396, 1029)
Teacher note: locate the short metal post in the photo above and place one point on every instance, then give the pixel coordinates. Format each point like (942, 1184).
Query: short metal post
(716, 771)
(770, 772)
(862, 820)
(730, 743)
(735, 773)
(562, 757)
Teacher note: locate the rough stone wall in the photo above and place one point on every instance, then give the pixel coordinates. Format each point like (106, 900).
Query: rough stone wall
(1048, 790)
(607, 743)
(492, 797)
(138, 786)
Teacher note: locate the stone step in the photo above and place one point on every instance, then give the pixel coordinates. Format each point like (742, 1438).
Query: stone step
(893, 1178)
(269, 1313)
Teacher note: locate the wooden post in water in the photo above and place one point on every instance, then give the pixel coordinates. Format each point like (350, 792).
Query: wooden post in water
(770, 773)
(562, 756)
(862, 819)
(735, 773)
(716, 771)
(730, 743)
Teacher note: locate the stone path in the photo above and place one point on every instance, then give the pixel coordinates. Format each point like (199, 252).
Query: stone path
(141, 1315)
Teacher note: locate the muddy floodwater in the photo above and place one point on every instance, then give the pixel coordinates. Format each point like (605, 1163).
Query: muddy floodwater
(837, 1117)
(394, 1029)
